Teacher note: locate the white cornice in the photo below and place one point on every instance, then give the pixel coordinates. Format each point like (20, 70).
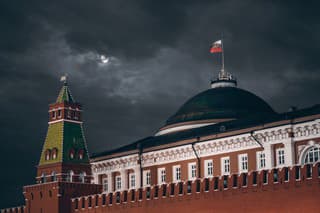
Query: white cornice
(67, 120)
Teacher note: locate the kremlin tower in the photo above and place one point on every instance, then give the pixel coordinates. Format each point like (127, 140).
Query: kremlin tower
(64, 169)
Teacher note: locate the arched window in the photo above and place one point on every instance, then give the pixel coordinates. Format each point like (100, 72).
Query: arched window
(69, 177)
(71, 153)
(43, 178)
(53, 176)
(82, 177)
(80, 154)
(54, 153)
(48, 154)
(312, 155)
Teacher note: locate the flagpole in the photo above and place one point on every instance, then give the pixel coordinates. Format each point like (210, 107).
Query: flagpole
(222, 56)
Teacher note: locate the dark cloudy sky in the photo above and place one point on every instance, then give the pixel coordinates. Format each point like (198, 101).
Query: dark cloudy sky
(158, 58)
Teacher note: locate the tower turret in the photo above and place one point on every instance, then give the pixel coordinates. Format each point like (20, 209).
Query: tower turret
(64, 155)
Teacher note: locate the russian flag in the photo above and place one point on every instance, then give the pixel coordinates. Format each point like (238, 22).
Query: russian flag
(216, 47)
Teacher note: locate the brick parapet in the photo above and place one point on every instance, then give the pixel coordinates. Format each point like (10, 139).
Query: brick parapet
(18, 209)
(216, 188)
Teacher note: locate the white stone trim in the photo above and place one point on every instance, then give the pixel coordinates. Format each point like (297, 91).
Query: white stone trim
(72, 121)
(183, 127)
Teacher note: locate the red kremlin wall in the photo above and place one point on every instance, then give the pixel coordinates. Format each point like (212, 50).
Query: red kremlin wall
(266, 191)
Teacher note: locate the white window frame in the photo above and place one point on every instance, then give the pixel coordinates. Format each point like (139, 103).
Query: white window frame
(243, 163)
(192, 171)
(161, 175)
(281, 157)
(146, 177)
(176, 173)
(118, 182)
(105, 184)
(261, 160)
(225, 168)
(132, 180)
(208, 168)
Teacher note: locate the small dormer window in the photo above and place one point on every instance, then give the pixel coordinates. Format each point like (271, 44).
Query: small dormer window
(54, 153)
(59, 113)
(53, 114)
(47, 154)
(80, 154)
(71, 154)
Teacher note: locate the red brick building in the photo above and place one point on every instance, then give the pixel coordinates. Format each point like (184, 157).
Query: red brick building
(224, 150)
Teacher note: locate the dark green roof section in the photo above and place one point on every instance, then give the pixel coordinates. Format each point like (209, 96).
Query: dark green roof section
(65, 95)
(65, 137)
(154, 141)
(73, 139)
(221, 103)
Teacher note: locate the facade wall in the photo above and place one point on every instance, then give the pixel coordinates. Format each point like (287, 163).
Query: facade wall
(294, 140)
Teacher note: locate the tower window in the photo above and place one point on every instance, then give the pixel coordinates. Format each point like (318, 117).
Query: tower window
(43, 178)
(54, 153)
(80, 154)
(53, 176)
(47, 154)
(53, 114)
(71, 154)
(82, 177)
(59, 113)
(69, 177)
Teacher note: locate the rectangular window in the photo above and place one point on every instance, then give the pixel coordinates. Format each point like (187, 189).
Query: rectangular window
(176, 173)
(254, 178)
(132, 180)
(208, 165)
(243, 163)
(59, 113)
(225, 166)
(118, 183)
(146, 178)
(105, 184)
(53, 114)
(286, 174)
(192, 171)
(161, 175)
(265, 177)
(261, 160)
(280, 153)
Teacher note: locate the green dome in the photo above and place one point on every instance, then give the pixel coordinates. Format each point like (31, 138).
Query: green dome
(221, 103)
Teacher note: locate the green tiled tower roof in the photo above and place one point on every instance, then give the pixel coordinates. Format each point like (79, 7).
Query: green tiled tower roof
(64, 136)
(65, 95)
